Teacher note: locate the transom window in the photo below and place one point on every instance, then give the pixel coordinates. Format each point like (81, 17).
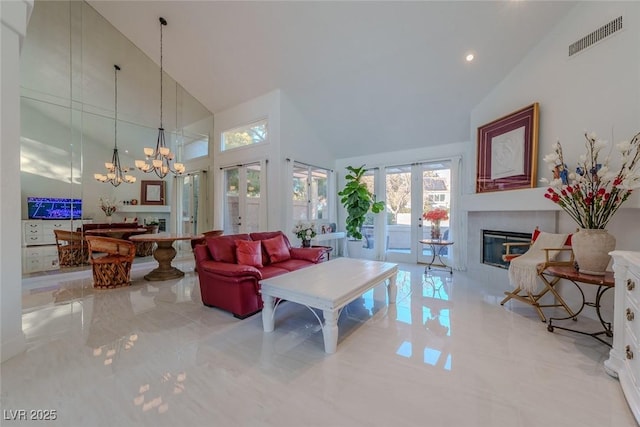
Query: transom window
(243, 136)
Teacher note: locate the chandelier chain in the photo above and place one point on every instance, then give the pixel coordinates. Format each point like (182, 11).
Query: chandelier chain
(161, 56)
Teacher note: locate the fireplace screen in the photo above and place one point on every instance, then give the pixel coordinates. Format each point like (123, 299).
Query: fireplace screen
(493, 246)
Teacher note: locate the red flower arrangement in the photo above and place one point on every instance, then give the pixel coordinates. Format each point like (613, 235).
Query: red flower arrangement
(436, 215)
(594, 193)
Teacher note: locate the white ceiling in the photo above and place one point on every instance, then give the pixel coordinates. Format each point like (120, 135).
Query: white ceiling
(366, 75)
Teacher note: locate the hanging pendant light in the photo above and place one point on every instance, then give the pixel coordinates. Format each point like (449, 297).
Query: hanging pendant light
(116, 174)
(159, 160)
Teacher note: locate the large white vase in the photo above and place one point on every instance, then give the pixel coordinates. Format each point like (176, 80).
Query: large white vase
(591, 248)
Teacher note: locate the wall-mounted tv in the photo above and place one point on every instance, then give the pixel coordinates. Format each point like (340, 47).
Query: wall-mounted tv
(54, 208)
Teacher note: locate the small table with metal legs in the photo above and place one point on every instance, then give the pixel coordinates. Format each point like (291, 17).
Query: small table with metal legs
(437, 247)
(604, 283)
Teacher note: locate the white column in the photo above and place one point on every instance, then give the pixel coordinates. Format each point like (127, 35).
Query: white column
(14, 16)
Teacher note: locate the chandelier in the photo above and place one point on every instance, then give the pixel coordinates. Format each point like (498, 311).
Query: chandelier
(116, 174)
(159, 160)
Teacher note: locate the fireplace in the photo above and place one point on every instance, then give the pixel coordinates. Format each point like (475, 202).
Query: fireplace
(493, 246)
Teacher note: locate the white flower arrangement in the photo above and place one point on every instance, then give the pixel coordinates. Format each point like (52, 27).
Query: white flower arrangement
(593, 193)
(108, 206)
(305, 230)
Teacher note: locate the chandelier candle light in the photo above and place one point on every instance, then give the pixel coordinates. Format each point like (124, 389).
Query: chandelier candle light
(593, 194)
(161, 158)
(116, 174)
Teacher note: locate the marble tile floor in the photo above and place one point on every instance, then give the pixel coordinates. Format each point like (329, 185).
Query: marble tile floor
(447, 354)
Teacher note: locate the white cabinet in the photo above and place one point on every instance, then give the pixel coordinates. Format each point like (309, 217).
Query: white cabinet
(39, 251)
(624, 357)
(40, 232)
(39, 258)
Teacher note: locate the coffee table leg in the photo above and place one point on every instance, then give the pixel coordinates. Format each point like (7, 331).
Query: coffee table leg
(267, 313)
(330, 330)
(392, 289)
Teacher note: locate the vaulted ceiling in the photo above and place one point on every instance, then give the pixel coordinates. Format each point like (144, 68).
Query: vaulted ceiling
(368, 76)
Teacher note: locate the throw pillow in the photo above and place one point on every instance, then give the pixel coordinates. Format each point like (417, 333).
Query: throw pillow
(276, 249)
(249, 252)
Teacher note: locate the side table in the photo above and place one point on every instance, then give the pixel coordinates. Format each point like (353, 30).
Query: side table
(604, 283)
(437, 247)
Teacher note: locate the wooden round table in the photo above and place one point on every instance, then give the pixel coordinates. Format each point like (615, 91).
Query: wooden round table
(117, 233)
(164, 253)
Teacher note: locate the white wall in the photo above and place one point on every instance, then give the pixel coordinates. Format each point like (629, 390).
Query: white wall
(596, 90)
(14, 17)
(267, 107)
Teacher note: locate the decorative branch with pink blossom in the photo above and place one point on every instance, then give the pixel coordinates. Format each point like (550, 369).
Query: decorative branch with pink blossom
(593, 193)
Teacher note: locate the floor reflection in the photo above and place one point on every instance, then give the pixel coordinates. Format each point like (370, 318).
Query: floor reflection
(423, 308)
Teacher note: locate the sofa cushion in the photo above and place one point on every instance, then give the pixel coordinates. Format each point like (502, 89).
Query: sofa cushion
(249, 252)
(277, 249)
(223, 248)
(293, 264)
(269, 271)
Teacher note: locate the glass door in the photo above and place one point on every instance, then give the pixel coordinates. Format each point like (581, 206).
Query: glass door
(243, 202)
(412, 190)
(190, 207)
(401, 223)
(435, 193)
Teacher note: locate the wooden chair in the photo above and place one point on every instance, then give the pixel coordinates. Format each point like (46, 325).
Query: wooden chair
(72, 248)
(111, 260)
(525, 269)
(146, 248)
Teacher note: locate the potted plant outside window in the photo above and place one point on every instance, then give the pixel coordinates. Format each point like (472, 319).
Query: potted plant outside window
(358, 201)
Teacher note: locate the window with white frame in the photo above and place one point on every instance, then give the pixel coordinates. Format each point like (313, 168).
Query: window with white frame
(310, 187)
(243, 136)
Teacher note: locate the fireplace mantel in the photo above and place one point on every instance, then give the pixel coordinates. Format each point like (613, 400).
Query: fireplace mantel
(528, 199)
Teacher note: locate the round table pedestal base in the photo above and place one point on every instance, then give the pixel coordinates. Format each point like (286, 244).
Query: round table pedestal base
(159, 275)
(164, 254)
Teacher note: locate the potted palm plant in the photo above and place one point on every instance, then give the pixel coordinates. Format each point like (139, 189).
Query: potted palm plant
(358, 201)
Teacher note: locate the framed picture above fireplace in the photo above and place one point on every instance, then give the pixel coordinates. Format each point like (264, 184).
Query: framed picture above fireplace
(508, 151)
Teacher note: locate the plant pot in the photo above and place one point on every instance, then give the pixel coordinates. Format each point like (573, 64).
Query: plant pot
(109, 219)
(354, 248)
(306, 243)
(591, 249)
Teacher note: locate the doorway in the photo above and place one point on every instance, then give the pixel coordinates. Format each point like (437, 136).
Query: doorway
(244, 210)
(412, 190)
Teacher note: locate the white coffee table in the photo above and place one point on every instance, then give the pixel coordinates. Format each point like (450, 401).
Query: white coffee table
(327, 286)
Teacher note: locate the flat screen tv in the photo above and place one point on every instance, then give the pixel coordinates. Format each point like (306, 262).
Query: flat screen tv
(54, 208)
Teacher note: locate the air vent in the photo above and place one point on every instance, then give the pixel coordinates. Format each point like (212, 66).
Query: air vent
(599, 34)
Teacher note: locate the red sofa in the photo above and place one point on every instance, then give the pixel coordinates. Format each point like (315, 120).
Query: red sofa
(232, 286)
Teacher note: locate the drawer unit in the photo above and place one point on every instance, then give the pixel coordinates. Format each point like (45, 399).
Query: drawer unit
(32, 233)
(39, 258)
(624, 358)
(39, 243)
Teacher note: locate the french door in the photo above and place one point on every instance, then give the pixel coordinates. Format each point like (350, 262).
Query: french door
(244, 207)
(191, 189)
(411, 190)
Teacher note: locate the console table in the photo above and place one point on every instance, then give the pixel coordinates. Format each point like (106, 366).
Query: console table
(337, 235)
(604, 283)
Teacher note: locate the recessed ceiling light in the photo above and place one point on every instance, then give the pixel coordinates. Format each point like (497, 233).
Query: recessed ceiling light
(469, 57)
